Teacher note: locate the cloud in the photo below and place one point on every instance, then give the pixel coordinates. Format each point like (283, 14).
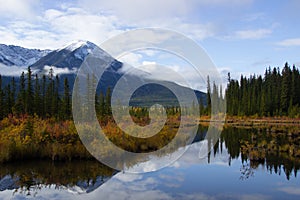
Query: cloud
(175, 15)
(139, 11)
(11, 70)
(128, 177)
(195, 31)
(133, 59)
(290, 190)
(253, 34)
(289, 42)
(55, 28)
(98, 21)
(59, 70)
(18, 8)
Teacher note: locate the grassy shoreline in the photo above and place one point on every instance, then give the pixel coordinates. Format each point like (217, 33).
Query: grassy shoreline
(254, 121)
(36, 138)
(23, 138)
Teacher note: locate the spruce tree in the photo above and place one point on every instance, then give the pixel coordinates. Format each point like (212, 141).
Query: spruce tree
(66, 100)
(37, 97)
(208, 96)
(29, 106)
(285, 89)
(19, 107)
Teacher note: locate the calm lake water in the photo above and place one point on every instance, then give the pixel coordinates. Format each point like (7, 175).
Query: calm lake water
(244, 164)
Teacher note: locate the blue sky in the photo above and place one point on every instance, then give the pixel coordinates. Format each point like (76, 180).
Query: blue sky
(240, 36)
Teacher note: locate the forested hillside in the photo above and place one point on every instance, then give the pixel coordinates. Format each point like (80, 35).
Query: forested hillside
(277, 93)
(47, 96)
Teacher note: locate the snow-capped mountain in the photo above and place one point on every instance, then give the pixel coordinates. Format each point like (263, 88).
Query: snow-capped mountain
(68, 58)
(10, 182)
(11, 55)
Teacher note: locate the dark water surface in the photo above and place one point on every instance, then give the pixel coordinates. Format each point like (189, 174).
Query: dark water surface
(244, 164)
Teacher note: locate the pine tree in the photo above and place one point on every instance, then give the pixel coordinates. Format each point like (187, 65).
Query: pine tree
(215, 98)
(43, 96)
(76, 97)
(29, 106)
(208, 96)
(13, 92)
(285, 89)
(55, 99)
(8, 101)
(49, 97)
(37, 97)
(66, 100)
(19, 107)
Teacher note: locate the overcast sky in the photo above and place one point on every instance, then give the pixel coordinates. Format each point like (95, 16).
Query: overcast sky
(240, 36)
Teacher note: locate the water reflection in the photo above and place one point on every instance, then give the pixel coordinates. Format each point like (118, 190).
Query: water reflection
(243, 164)
(277, 151)
(29, 178)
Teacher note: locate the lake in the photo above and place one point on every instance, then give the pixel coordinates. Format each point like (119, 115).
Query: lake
(244, 164)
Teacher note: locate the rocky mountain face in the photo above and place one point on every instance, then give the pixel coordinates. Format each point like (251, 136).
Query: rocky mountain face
(11, 55)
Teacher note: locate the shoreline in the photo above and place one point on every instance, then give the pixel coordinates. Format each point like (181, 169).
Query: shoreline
(253, 121)
(36, 138)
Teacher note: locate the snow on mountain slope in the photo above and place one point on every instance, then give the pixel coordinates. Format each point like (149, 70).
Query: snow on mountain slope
(11, 55)
(77, 44)
(69, 57)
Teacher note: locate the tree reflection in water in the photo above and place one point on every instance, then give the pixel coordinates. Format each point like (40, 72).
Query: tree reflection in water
(30, 177)
(277, 150)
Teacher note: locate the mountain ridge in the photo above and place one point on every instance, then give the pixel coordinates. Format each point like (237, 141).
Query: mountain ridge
(12, 55)
(67, 60)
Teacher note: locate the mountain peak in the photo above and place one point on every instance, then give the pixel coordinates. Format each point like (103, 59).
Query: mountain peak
(70, 56)
(78, 44)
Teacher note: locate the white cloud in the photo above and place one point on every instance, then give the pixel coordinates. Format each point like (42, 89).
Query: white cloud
(133, 59)
(97, 21)
(195, 31)
(253, 34)
(168, 67)
(128, 177)
(51, 14)
(137, 11)
(55, 28)
(11, 70)
(76, 23)
(174, 15)
(289, 42)
(59, 70)
(18, 8)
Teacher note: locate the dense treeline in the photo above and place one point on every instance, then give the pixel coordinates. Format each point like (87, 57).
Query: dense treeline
(36, 119)
(43, 96)
(34, 95)
(277, 93)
